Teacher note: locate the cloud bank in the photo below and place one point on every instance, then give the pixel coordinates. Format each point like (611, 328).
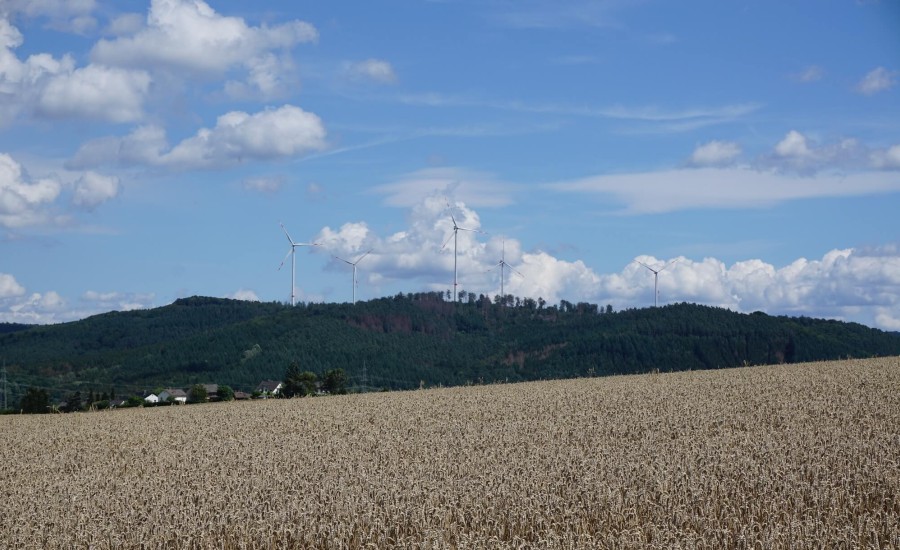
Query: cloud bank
(860, 285)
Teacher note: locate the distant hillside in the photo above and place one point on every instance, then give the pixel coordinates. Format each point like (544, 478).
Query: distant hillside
(407, 340)
(13, 327)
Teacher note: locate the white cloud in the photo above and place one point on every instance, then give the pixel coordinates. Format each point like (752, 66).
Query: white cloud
(96, 92)
(843, 284)
(188, 37)
(37, 308)
(23, 81)
(682, 189)
(264, 184)
(853, 284)
(93, 189)
(23, 202)
(477, 189)
(125, 24)
(715, 153)
(45, 86)
(285, 132)
(377, 70)
(793, 145)
(812, 73)
(66, 15)
(795, 152)
(244, 294)
(887, 159)
(9, 287)
(877, 80)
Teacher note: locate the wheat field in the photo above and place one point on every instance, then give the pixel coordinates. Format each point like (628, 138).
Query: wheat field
(792, 456)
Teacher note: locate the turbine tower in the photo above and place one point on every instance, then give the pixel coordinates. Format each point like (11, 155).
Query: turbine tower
(456, 230)
(656, 280)
(353, 264)
(502, 264)
(292, 254)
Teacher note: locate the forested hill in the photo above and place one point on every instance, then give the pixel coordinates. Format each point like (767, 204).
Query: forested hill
(408, 340)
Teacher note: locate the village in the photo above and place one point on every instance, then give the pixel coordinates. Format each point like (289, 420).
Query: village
(201, 393)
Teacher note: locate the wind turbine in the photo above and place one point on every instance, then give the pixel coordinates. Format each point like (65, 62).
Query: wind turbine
(656, 279)
(353, 264)
(456, 230)
(502, 264)
(292, 254)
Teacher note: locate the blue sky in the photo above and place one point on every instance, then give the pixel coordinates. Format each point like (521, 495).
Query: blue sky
(149, 150)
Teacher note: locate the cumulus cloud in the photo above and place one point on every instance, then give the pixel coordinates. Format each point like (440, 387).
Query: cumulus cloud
(50, 307)
(798, 153)
(93, 189)
(24, 201)
(45, 86)
(96, 92)
(793, 146)
(66, 15)
(877, 80)
(188, 38)
(244, 294)
(9, 287)
(850, 284)
(715, 153)
(377, 70)
(237, 136)
(22, 81)
(35, 308)
(887, 159)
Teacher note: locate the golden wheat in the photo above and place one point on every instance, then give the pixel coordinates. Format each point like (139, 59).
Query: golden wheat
(797, 456)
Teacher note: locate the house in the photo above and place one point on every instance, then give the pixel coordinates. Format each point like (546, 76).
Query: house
(269, 388)
(153, 399)
(175, 395)
(212, 391)
(240, 395)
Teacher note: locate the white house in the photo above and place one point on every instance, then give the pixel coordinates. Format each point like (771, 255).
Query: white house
(269, 388)
(152, 398)
(176, 395)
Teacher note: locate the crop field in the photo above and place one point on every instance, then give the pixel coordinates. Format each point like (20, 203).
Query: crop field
(792, 456)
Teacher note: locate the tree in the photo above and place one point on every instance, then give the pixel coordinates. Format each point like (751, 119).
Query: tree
(226, 393)
(197, 394)
(73, 403)
(35, 401)
(297, 383)
(335, 381)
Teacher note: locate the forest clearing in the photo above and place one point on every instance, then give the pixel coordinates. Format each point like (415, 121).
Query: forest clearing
(800, 455)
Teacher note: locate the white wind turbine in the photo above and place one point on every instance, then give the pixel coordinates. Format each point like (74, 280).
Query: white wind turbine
(456, 230)
(353, 264)
(656, 279)
(502, 264)
(292, 254)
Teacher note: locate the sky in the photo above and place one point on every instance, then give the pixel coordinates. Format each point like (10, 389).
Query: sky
(749, 151)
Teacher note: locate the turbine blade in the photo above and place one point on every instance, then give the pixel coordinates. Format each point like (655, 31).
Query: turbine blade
(448, 239)
(668, 264)
(647, 266)
(361, 257)
(285, 258)
(290, 240)
(341, 259)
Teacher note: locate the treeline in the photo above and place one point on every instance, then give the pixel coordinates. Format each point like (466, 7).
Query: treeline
(409, 340)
